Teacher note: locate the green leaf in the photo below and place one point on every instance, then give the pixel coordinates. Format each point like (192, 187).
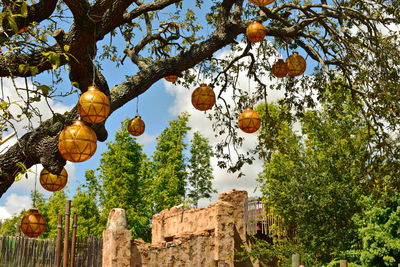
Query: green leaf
(45, 89)
(66, 48)
(24, 10)
(13, 24)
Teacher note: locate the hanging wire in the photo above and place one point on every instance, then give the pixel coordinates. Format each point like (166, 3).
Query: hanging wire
(2, 89)
(137, 106)
(287, 51)
(94, 53)
(34, 192)
(198, 74)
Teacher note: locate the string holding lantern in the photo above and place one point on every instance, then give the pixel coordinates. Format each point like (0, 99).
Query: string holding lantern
(279, 69)
(77, 142)
(296, 64)
(249, 121)
(261, 2)
(171, 78)
(203, 97)
(136, 126)
(256, 32)
(52, 182)
(33, 223)
(93, 105)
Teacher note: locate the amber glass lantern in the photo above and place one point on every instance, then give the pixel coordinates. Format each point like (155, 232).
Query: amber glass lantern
(249, 121)
(93, 105)
(33, 224)
(203, 97)
(256, 32)
(279, 69)
(262, 2)
(52, 182)
(77, 142)
(296, 64)
(136, 126)
(171, 78)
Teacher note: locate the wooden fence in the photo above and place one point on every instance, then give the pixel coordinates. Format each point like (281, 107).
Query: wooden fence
(31, 252)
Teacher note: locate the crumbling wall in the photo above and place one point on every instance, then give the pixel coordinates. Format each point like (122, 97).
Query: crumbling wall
(197, 237)
(189, 250)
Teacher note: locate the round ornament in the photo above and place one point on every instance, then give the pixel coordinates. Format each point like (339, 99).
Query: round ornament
(171, 78)
(256, 32)
(52, 182)
(296, 64)
(93, 105)
(33, 224)
(249, 121)
(203, 97)
(77, 142)
(279, 69)
(262, 2)
(136, 126)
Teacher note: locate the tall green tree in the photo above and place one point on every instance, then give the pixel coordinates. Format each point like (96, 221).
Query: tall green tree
(313, 177)
(169, 180)
(123, 178)
(85, 204)
(200, 176)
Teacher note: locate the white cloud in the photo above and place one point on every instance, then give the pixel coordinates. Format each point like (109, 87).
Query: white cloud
(146, 139)
(14, 204)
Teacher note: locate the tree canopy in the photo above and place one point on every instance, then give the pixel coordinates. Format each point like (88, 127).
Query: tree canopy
(349, 39)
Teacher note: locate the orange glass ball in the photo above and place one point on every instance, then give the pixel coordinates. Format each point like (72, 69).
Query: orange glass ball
(171, 78)
(77, 142)
(249, 121)
(203, 97)
(279, 69)
(262, 2)
(256, 32)
(93, 105)
(52, 182)
(136, 126)
(296, 64)
(33, 224)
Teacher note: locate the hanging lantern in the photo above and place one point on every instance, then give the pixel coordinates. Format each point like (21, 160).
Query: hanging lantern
(249, 121)
(262, 2)
(171, 78)
(203, 97)
(93, 105)
(33, 224)
(296, 64)
(279, 69)
(77, 142)
(52, 182)
(256, 32)
(136, 126)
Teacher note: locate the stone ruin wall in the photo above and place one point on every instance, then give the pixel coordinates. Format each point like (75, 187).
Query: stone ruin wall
(203, 237)
(190, 250)
(196, 237)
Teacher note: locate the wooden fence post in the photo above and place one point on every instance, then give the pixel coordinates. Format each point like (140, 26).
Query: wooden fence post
(66, 233)
(59, 240)
(73, 241)
(343, 263)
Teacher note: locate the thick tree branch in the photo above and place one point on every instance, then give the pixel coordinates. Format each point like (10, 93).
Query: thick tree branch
(36, 13)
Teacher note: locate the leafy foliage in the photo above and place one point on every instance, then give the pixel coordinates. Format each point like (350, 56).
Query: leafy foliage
(199, 170)
(170, 175)
(315, 180)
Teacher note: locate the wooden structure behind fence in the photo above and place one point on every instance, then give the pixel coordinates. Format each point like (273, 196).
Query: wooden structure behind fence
(31, 252)
(258, 219)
